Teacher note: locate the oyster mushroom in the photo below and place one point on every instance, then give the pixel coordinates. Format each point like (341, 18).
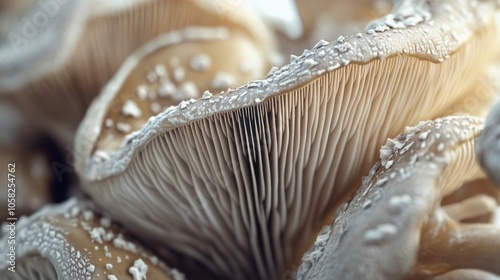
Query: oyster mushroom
(73, 241)
(396, 213)
(112, 30)
(263, 166)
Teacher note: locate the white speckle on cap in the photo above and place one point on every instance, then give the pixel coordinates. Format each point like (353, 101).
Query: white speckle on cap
(109, 266)
(406, 148)
(120, 243)
(379, 233)
(367, 204)
(151, 77)
(177, 275)
(179, 74)
(139, 270)
(124, 127)
(206, 95)
(187, 90)
(440, 147)
(161, 70)
(108, 123)
(91, 268)
(167, 89)
(105, 222)
(112, 277)
(141, 92)
(322, 43)
(155, 107)
(88, 215)
(343, 47)
(130, 109)
(396, 203)
(423, 135)
(200, 62)
(223, 80)
(97, 233)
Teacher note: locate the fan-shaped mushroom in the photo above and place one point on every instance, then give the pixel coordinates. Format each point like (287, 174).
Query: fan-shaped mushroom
(112, 31)
(396, 213)
(263, 166)
(73, 241)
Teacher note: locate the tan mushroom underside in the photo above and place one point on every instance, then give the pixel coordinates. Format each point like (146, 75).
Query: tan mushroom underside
(74, 241)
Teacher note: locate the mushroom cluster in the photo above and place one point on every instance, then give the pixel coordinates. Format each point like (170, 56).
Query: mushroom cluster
(167, 152)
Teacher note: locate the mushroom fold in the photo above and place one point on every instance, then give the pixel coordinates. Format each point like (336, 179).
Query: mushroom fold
(396, 213)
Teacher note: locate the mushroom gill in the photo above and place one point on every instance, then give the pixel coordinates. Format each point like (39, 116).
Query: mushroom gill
(74, 241)
(396, 213)
(263, 166)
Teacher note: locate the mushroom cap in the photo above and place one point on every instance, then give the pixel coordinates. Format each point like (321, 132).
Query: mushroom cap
(389, 211)
(74, 241)
(261, 167)
(178, 66)
(111, 32)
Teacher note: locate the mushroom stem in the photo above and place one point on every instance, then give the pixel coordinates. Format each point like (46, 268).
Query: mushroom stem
(447, 245)
(471, 208)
